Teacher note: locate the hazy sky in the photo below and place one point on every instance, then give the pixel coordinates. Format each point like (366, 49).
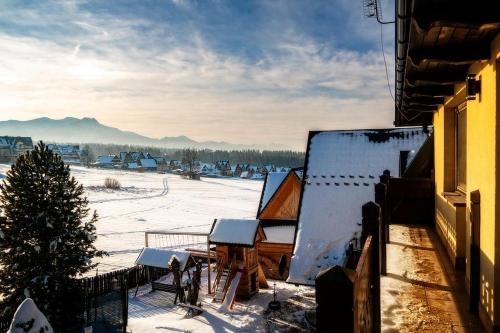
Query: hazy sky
(239, 71)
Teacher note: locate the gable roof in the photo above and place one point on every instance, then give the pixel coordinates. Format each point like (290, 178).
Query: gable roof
(340, 172)
(105, 159)
(272, 184)
(162, 258)
(148, 163)
(241, 232)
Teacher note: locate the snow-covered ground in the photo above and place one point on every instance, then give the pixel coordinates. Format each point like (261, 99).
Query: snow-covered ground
(151, 201)
(155, 312)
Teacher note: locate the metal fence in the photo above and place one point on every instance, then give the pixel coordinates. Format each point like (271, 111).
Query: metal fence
(104, 304)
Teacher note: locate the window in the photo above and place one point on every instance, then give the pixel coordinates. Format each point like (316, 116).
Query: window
(461, 148)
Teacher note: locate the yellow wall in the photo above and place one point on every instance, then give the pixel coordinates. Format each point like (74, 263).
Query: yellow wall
(483, 168)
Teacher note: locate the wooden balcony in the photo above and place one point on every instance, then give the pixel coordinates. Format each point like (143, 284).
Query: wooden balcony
(422, 292)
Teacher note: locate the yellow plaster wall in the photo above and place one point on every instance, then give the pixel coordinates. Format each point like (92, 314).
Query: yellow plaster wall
(482, 175)
(483, 172)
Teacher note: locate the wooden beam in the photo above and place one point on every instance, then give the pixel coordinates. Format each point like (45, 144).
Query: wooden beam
(459, 55)
(451, 76)
(419, 110)
(430, 91)
(480, 14)
(427, 100)
(421, 107)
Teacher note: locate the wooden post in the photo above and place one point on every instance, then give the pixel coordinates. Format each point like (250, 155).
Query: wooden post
(380, 199)
(209, 272)
(475, 252)
(371, 226)
(146, 239)
(387, 209)
(334, 298)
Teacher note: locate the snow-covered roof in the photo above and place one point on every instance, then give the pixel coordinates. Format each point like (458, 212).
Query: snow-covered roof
(105, 159)
(244, 174)
(341, 170)
(282, 234)
(234, 231)
(133, 165)
(162, 258)
(148, 163)
(257, 176)
(271, 184)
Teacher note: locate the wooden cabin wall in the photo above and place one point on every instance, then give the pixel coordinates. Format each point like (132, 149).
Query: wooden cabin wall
(222, 252)
(270, 256)
(250, 273)
(285, 203)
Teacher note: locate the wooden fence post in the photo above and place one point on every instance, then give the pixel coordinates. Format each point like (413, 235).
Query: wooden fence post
(334, 299)
(387, 210)
(371, 226)
(380, 199)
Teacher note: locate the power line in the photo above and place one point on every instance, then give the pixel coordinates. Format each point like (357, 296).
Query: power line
(385, 62)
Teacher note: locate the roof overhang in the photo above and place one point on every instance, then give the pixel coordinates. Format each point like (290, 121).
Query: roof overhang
(436, 41)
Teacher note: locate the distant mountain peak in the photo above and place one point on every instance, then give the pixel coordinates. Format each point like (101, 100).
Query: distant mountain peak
(90, 130)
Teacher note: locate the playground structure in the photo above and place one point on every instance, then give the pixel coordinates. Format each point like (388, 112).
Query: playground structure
(177, 262)
(197, 244)
(238, 271)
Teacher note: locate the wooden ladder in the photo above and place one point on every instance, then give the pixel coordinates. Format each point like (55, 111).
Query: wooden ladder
(223, 280)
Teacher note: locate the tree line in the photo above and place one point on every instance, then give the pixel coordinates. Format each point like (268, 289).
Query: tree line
(287, 158)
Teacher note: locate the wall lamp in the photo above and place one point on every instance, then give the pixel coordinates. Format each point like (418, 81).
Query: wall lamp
(472, 87)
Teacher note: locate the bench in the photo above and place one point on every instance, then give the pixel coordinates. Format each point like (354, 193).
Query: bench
(169, 288)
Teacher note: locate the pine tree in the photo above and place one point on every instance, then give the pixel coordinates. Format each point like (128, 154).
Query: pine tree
(46, 234)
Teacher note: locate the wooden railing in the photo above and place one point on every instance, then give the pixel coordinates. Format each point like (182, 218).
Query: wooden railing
(349, 300)
(405, 200)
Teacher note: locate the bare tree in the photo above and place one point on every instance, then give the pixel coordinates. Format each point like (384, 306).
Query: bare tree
(189, 156)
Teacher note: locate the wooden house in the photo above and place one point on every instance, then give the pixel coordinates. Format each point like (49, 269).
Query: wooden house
(148, 164)
(340, 171)
(174, 165)
(447, 77)
(237, 242)
(70, 154)
(137, 156)
(224, 168)
(108, 161)
(278, 209)
(12, 147)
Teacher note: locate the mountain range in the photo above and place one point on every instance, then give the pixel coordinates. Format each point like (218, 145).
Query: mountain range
(89, 130)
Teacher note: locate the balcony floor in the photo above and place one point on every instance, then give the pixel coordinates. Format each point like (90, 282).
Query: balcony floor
(422, 292)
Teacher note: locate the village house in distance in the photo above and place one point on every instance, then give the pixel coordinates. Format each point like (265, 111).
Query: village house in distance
(13, 146)
(143, 161)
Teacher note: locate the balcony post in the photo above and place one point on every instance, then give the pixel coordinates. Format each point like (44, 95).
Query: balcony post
(380, 199)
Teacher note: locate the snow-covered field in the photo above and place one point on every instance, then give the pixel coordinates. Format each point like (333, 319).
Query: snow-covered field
(151, 201)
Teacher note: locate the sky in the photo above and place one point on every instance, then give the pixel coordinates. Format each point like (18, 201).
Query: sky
(249, 72)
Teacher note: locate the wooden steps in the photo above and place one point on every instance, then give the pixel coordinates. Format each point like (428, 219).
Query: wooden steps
(220, 291)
